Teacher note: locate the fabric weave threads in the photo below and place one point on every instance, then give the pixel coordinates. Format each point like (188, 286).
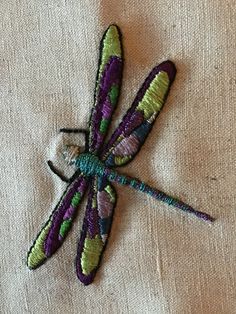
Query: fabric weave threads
(156, 262)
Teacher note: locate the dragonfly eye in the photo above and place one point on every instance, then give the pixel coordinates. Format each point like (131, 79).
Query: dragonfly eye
(70, 154)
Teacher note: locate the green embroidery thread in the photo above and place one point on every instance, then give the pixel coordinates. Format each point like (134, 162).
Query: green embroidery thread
(154, 97)
(91, 254)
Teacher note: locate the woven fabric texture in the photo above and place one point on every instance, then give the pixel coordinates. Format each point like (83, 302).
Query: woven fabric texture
(158, 260)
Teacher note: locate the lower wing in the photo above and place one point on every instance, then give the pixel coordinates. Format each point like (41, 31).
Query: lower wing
(52, 235)
(96, 229)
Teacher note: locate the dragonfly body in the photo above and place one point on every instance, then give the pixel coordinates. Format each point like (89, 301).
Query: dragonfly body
(90, 165)
(95, 167)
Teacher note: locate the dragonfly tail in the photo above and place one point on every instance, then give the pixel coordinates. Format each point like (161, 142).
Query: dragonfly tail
(157, 194)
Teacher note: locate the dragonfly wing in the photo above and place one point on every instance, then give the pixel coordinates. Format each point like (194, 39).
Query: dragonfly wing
(128, 138)
(107, 87)
(96, 229)
(59, 223)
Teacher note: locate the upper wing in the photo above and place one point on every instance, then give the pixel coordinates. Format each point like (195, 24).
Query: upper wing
(138, 121)
(107, 87)
(96, 229)
(59, 223)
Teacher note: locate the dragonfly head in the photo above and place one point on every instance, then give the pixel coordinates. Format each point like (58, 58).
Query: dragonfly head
(70, 154)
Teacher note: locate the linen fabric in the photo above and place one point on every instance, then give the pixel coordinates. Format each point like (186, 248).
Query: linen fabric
(158, 260)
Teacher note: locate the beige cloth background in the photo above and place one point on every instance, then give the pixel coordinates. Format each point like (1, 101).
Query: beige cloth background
(158, 260)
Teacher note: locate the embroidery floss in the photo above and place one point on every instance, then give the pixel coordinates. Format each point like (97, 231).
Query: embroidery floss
(94, 167)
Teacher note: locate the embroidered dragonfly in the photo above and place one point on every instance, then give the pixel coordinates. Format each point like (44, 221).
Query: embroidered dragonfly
(95, 165)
